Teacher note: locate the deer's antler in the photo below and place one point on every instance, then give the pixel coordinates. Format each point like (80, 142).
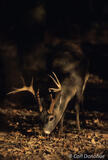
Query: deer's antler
(53, 100)
(29, 89)
(57, 82)
(24, 88)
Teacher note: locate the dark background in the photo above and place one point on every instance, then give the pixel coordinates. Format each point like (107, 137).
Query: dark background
(24, 25)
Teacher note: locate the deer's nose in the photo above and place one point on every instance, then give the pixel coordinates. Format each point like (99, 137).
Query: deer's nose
(47, 132)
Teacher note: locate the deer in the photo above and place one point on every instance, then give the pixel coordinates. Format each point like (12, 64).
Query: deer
(69, 76)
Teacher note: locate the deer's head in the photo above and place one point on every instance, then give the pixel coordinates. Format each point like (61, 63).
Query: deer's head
(52, 116)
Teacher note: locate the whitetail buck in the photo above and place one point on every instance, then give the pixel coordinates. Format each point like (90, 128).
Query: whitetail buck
(69, 74)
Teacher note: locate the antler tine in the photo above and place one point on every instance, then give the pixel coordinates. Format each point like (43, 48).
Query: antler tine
(31, 88)
(24, 88)
(39, 101)
(57, 82)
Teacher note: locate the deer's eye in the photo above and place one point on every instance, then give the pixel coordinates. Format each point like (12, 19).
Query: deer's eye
(51, 118)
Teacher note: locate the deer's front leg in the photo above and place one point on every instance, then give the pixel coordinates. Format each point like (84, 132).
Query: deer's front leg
(61, 125)
(77, 108)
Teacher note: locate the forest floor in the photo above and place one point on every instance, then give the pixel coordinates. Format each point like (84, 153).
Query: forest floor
(21, 136)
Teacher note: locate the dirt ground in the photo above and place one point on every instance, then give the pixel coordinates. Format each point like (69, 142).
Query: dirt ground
(21, 135)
